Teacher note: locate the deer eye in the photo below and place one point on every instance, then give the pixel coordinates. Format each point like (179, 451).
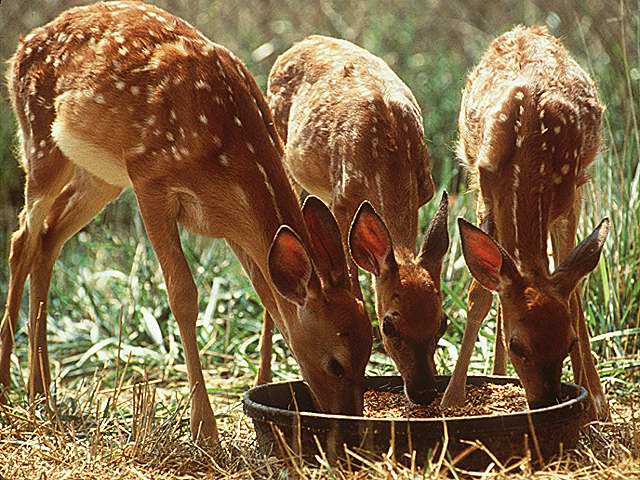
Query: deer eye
(335, 368)
(388, 327)
(517, 348)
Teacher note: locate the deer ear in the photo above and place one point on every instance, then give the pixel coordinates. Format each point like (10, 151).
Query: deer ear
(370, 242)
(290, 267)
(325, 242)
(582, 260)
(489, 264)
(436, 240)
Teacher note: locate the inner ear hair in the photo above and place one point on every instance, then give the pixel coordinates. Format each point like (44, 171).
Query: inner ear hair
(488, 262)
(370, 242)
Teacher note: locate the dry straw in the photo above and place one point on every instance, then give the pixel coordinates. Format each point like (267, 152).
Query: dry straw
(128, 433)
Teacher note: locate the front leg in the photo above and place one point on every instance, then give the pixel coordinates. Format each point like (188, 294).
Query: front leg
(160, 221)
(479, 303)
(263, 289)
(266, 347)
(500, 348)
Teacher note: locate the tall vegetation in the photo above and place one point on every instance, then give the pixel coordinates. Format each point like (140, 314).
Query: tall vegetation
(107, 295)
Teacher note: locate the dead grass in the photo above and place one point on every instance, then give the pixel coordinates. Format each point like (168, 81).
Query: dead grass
(140, 430)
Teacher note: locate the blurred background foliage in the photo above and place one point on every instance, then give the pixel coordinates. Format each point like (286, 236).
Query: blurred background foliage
(108, 272)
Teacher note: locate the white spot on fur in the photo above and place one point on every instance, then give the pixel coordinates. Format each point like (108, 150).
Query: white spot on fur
(378, 179)
(170, 136)
(271, 191)
(514, 211)
(202, 85)
(223, 159)
(557, 130)
(135, 90)
(139, 149)
(120, 85)
(250, 147)
(99, 98)
(203, 118)
(565, 169)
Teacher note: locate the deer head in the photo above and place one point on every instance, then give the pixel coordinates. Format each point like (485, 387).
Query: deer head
(540, 333)
(408, 294)
(332, 350)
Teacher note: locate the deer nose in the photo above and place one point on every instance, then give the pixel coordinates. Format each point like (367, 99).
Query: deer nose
(421, 395)
(546, 401)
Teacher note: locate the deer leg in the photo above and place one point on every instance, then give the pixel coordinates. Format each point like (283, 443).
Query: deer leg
(585, 373)
(78, 203)
(266, 296)
(266, 348)
(160, 220)
(42, 187)
(479, 303)
(499, 348)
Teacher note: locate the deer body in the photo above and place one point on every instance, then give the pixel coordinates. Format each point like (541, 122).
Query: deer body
(353, 134)
(124, 94)
(529, 127)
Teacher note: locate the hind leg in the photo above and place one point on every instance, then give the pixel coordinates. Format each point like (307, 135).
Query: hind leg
(78, 203)
(46, 176)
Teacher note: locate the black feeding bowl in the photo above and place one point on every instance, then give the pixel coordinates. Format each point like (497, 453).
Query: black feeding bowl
(287, 426)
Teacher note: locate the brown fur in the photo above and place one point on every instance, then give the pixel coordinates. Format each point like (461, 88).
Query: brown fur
(529, 128)
(123, 94)
(354, 132)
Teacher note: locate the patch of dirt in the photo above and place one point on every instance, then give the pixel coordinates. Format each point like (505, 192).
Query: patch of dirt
(486, 399)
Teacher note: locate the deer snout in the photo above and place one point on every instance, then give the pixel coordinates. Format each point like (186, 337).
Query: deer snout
(542, 403)
(351, 401)
(346, 399)
(549, 396)
(420, 393)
